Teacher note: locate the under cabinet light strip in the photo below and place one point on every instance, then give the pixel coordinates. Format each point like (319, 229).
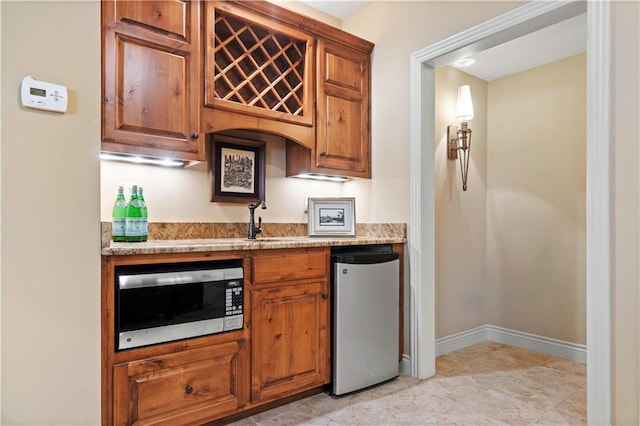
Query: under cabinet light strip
(166, 162)
(316, 176)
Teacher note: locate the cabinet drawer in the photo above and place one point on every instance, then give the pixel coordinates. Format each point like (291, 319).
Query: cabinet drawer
(290, 265)
(183, 388)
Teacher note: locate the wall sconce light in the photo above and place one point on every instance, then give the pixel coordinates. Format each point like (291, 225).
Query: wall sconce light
(459, 140)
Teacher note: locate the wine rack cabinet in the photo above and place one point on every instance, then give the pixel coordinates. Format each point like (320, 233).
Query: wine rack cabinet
(257, 66)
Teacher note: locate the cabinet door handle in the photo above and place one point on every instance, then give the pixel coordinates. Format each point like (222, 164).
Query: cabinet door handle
(195, 135)
(325, 296)
(188, 390)
(323, 154)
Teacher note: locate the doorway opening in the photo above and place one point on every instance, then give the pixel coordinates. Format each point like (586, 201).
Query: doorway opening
(522, 20)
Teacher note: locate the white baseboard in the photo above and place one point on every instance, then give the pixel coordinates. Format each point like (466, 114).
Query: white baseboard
(532, 342)
(518, 339)
(405, 365)
(453, 342)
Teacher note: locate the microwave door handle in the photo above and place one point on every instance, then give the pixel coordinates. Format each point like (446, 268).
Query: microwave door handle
(170, 278)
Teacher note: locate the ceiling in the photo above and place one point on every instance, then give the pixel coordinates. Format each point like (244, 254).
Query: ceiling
(541, 47)
(338, 9)
(550, 44)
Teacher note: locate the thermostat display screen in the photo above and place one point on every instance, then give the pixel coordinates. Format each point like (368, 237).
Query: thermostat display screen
(38, 92)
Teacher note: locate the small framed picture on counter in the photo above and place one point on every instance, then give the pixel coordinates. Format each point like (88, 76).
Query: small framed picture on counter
(236, 168)
(332, 217)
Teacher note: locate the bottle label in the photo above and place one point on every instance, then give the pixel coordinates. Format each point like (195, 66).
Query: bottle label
(136, 203)
(133, 226)
(121, 204)
(118, 227)
(145, 227)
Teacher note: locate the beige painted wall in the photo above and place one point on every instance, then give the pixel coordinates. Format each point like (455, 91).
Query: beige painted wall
(513, 245)
(536, 206)
(182, 195)
(626, 214)
(54, 379)
(461, 221)
(50, 210)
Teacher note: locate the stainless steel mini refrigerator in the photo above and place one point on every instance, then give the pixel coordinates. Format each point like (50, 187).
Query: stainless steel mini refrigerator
(365, 318)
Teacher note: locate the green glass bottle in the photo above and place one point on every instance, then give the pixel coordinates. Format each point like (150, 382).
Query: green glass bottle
(118, 217)
(144, 233)
(134, 217)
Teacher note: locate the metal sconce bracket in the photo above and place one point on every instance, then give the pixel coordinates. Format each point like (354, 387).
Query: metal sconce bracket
(452, 142)
(460, 140)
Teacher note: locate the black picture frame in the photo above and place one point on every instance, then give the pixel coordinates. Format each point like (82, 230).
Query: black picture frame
(237, 169)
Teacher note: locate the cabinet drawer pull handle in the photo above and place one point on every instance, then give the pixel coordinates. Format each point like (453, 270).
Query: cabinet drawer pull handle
(195, 135)
(188, 390)
(323, 154)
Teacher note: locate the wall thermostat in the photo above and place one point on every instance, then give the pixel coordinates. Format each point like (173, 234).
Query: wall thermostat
(43, 95)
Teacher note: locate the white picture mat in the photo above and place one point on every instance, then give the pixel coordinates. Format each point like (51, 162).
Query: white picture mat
(332, 217)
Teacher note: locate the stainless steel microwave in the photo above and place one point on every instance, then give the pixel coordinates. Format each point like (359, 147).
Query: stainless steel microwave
(160, 303)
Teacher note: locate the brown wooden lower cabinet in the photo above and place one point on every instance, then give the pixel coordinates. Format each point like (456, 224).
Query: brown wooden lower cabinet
(290, 340)
(187, 387)
(282, 352)
(289, 322)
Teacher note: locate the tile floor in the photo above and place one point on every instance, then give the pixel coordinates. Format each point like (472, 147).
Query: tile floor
(484, 384)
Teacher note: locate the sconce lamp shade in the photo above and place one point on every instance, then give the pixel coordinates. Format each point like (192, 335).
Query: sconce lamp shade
(464, 110)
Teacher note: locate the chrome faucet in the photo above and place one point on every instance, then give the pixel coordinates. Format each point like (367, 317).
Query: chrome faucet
(253, 231)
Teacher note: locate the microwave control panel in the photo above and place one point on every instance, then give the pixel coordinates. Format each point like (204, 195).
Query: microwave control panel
(234, 297)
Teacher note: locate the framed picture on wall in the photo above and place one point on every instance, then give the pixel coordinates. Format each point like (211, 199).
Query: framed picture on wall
(236, 169)
(332, 217)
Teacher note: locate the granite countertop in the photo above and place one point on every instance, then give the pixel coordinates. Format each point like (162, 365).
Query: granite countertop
(166, 238)
(224, 244)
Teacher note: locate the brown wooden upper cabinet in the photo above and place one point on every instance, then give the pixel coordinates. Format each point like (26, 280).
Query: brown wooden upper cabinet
(259, 67)
(343, 104)
(343, 127)
(151, 75)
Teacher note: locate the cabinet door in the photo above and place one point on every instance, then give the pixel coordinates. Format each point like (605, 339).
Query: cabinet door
(290, 346)
(343, 136)
(151, 78)
(184, 388)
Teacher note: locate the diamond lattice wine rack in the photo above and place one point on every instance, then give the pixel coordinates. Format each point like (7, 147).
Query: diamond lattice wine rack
(260, 68)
